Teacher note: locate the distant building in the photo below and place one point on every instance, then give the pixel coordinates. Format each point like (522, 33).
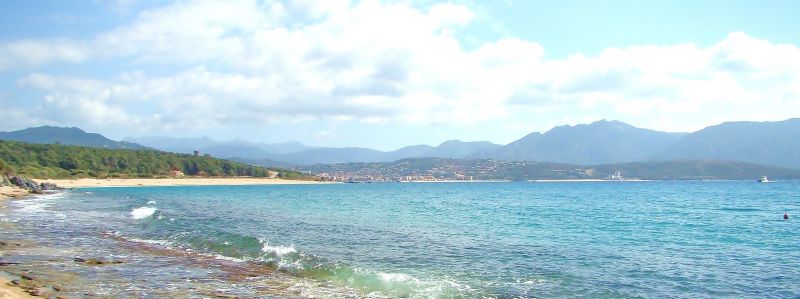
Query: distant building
(196, 153)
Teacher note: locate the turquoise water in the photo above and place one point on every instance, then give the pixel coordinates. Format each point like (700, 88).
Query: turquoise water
(546, 240)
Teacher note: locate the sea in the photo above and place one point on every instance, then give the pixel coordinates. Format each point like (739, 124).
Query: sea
(657, 239)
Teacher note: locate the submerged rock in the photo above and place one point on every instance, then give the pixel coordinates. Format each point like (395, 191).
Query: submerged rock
(95, 262)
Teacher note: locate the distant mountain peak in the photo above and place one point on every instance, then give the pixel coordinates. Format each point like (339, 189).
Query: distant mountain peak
(54, 128)
(598, 124)
(602, 141)
(66, 135)
(451, 141)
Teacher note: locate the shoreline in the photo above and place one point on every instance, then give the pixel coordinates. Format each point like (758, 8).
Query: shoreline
(9, 192)
(7, 288)
(139, 182)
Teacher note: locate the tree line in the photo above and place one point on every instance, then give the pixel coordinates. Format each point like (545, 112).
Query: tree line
(65, 161)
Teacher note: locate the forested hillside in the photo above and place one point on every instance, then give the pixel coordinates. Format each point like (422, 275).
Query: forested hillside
(63, 161)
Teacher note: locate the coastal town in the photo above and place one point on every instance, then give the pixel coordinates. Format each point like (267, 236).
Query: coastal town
(433, 169)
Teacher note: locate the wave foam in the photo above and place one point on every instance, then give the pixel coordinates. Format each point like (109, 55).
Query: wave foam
(295, 266)
(228, 258)
(278, 250)
(396, 277)
(152, 202)
(150, 242)
(143, 212)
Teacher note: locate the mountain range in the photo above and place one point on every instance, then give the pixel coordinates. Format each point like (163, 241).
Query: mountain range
(295, 153)
(596, 143)
(67, 136)
(601, 142)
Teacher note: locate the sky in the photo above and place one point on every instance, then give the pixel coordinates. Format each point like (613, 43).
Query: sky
(387, 74)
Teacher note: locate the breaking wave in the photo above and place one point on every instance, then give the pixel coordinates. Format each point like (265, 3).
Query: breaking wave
(143, 212)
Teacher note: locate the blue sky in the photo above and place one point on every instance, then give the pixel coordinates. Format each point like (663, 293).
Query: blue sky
(385, 74)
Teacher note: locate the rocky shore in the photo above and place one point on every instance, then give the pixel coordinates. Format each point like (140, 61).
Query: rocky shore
(22, 278)
(27, 184)
(13, 282)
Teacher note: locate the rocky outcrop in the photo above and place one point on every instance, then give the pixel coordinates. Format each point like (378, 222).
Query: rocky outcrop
(28, 184)
(49, 187)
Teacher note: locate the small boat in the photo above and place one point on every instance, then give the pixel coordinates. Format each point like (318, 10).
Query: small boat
(763, 179)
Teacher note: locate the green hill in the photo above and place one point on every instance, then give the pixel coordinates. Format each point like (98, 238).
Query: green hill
(65, 161)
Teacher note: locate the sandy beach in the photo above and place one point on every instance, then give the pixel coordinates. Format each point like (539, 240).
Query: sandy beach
(9, 192)
(83, 183)
(9, 292)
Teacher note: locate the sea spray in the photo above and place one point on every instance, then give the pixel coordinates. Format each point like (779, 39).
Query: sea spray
(277, 250)
(143, 212)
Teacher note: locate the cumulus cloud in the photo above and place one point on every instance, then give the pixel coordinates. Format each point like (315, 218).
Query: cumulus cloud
(33, 53)
(373, 62)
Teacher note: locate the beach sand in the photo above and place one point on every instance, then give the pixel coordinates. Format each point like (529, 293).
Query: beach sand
(83, 183)
(8, 192)
(11, 292)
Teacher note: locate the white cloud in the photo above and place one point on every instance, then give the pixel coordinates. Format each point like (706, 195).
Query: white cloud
(373, 62)
(33, 53)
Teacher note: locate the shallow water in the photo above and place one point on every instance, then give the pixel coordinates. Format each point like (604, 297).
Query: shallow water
(598, 239)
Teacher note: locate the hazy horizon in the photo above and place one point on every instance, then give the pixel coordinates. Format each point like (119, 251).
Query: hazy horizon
(384, 75)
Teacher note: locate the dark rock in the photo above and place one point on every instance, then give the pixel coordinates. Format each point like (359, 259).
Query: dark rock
(18, 181)
(26, 183)
(96, 262)
(26, 277)
(32, 292)
(49, 187)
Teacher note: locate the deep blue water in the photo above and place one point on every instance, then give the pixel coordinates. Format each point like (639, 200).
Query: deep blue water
(588, 239)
